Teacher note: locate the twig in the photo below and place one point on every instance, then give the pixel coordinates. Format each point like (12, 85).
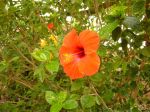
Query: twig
(102, 101)
(22, 82)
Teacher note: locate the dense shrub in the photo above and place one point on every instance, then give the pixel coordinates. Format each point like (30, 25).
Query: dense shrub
(31, 77)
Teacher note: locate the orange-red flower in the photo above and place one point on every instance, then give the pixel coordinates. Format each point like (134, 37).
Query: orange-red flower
(78, 54)
(50, 26)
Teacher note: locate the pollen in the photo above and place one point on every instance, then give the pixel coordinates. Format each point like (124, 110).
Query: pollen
(43, 42)
(53, 38)
(67, 57)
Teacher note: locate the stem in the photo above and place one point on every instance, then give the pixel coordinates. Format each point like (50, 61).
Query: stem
(18, 50)
(23, 82)
(101, 99)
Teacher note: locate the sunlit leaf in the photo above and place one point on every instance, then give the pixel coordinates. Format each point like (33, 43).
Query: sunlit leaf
(50, 97)
(107, 30)
(70, 104)
(131, 22)
(145, 51)
(76, 85)
(87, 101)
(40, 73)
(3, 65)
(39, 55)
(56, 107)
(61, 96)
(52, 66)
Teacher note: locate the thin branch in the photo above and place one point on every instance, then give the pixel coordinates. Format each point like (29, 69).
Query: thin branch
(25, 83)
(101, 99)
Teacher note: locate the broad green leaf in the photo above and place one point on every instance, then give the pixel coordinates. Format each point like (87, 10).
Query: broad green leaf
(40, 73)
(138, 7)
(116, 33)
(52, 66)
(117, 10)
(77, 84)
(50, 97)
(97, 77)
(145, 51)
(74, 96)
(128, 33)
(39, 55)
(108, 95)
(87, 101)
(70, 104)
(61, 96)
(56, 107)
(107, 29)
(138, 41)
(131, 22)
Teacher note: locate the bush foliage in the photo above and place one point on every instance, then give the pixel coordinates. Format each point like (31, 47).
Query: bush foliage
(31, 77)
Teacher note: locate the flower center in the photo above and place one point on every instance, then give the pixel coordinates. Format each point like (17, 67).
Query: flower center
(80, 52)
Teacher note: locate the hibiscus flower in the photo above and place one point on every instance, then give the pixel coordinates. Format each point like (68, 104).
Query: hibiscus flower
(78, 54)
(50, 26)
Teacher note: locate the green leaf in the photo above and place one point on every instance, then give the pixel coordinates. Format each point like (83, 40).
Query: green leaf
(70, 104)
(52, 66)
(62, 95)
(138, 7)
(135, 109)
(97, 99)
(40, 73)
(14, 59)
(117, 10)
(107, 29)
(124, 44)
(97, 77)
(3, 65)
(74, 96)
(87, 101)
(50, 97)
(117, 63)
(133, 85)
(102, 52)
(39, 55)
(131, 22)
(147, 9)
(116, 33)
(108, 95)
(124, 66)
(145, 51)
(77, 84)
(56, 107)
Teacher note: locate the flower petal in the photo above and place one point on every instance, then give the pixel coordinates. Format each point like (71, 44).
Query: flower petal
(89, 65)
(71, 39)
(72, 71)
(89, 40)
